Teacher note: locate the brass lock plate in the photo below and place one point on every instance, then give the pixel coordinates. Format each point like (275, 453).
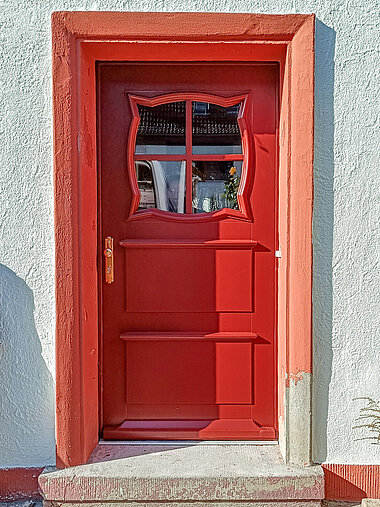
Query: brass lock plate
(108, 259)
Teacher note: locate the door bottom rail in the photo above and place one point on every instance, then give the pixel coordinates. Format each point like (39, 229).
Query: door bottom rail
(219, 429)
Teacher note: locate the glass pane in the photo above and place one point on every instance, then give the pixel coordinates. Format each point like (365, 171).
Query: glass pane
(162, 129)
(161, 184)
(215, 129)
(215, 185)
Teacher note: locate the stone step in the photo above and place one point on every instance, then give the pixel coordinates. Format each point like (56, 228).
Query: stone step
(184, 475)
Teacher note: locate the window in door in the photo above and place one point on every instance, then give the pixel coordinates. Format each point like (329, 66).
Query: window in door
(188, 154)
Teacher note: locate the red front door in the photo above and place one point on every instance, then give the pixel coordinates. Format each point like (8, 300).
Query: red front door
(187, 158)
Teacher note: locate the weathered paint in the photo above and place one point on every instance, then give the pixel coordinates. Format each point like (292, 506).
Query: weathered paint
(352, 482)
(345, 220)
(19, 483)
(188, 473)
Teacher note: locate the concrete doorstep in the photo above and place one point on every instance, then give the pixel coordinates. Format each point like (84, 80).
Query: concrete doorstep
(183, 475)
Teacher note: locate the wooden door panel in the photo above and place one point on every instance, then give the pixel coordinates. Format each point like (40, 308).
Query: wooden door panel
(170, 373)
(234, 375)
(233, 281)
(188, 326)
(189, 280)
(170, 280)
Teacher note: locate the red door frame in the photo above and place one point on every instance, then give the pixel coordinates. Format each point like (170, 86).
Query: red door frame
(79, 40)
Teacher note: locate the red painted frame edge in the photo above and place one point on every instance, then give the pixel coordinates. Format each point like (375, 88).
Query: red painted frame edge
(80, 38)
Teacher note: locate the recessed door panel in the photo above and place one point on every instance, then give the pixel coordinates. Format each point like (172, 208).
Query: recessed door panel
(234, 374)
(169, 372)
(170, 280)
(234, 280)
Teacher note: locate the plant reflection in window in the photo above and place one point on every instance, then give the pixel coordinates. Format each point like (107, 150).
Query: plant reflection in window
(215, 185)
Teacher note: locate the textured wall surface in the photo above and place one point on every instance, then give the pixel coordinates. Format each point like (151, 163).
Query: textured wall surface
(346, 223)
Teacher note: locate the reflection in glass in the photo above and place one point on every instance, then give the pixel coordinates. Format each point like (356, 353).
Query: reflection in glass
(215, 185)
(162, 129)
(161, 184)
(215, 129)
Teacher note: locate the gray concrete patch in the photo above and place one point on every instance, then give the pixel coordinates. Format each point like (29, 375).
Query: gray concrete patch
(299, 419)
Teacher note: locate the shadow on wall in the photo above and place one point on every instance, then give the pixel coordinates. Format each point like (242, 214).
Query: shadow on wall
(323, 223)
(26, 385)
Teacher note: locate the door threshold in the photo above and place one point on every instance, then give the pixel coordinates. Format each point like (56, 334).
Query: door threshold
(188, 475)
(188, 442)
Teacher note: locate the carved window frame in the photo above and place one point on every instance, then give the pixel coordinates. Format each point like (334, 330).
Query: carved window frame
(247, 157)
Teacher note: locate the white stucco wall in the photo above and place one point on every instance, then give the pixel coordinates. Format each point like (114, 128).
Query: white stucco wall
(346, 221)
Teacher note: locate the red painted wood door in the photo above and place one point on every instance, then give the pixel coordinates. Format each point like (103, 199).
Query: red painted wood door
(187, 165)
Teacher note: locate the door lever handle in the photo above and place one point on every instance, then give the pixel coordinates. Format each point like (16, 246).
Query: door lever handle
(108, 259)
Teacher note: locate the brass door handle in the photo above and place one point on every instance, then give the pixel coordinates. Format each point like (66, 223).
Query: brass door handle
(108, 259)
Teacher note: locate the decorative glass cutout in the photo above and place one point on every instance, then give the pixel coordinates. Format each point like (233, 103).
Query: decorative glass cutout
(187, 153)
